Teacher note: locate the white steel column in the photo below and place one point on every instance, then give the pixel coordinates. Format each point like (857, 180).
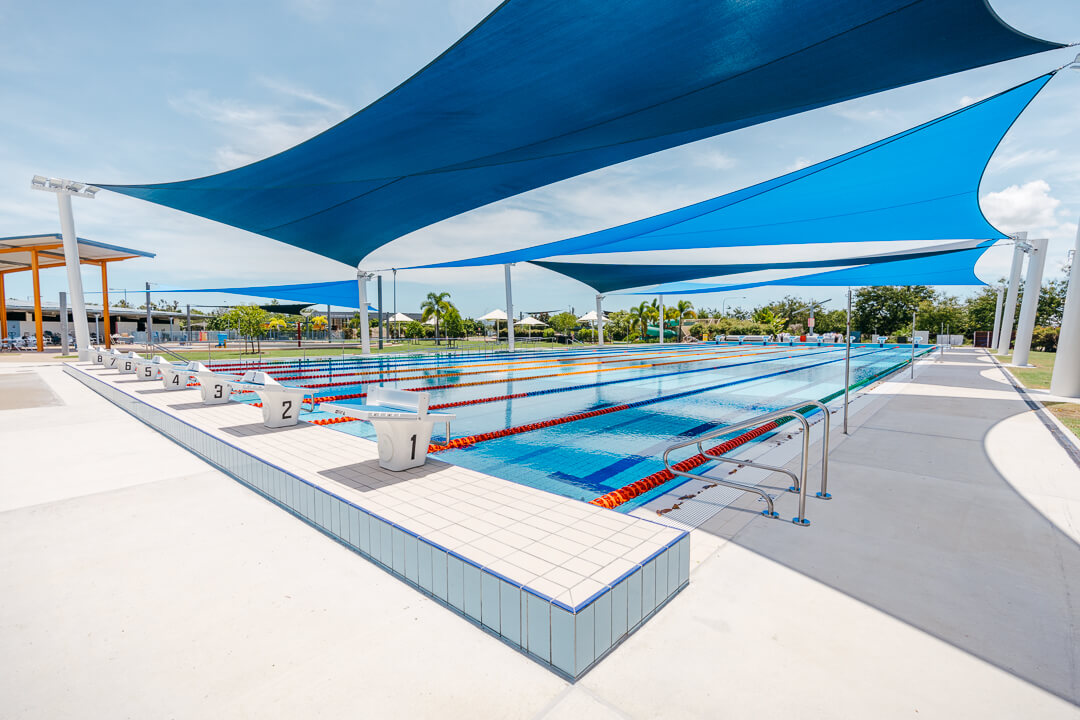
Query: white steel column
(995, 335)
(509, 310)
(365, 329)
(1030, 304)
(1010, 299)
(661, 333)
(74, 275)
(1066, 379)
(599, 319)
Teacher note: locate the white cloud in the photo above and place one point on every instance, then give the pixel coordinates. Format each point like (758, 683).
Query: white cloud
(715, 160)
(1022, 207)
(799, 163)
(252, 132)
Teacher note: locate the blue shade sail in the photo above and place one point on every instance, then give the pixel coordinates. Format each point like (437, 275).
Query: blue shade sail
(921, 184)
(605, 277)
(543, 90)
(339, 293)
(957, 268)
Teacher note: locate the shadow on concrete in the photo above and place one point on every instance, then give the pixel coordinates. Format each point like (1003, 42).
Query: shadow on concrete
(367, 475)
(924, 528)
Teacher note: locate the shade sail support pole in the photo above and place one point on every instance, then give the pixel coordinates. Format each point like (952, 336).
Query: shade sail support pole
(847, 362)
(599, 319)
(1066, 378)
(1010, 299)
(365, 329)
(74, 274)
(1030, 305)
(509, 309)
(378, 293)
(995, 336)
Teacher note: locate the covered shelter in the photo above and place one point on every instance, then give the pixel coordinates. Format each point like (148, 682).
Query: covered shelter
(530, 322)
(33, 253)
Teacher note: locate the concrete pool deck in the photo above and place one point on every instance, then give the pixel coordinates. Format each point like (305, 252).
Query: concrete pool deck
(140, 581)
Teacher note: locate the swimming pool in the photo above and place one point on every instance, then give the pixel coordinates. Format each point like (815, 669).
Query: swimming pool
(589, 421)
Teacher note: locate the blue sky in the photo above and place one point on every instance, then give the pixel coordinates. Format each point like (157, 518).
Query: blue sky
(147, 92)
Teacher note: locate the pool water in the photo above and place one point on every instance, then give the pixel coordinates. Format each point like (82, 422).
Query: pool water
(670, 392)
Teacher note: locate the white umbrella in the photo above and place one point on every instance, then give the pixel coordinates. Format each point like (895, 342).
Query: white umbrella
(400, 317)
(430, 321)
(588, 317)
(495, 314)
(529, 321)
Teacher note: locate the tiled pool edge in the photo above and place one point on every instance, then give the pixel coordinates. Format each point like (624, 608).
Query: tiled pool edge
(567, 640)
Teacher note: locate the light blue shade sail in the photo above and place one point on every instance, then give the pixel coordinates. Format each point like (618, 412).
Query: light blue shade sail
(543, 90)
(605, 277)
(339, 293)
(921, 184)
(956, 268)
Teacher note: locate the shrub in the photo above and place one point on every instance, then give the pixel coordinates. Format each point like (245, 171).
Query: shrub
(586, 335)
(1045, 338)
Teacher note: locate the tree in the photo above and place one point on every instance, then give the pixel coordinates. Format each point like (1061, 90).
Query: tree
(251, 322)
(887, 309)
(618, 325)
(453, 325)
(563, 323)
(768, 317)
(640, 315)
(980, 309)
(436, 305)
(413, 330)
(943, 311)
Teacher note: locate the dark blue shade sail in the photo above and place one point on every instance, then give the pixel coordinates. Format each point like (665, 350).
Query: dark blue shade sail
(956, 268)
(543, 90)
(921, 184)
(340, 293)
(604, 277)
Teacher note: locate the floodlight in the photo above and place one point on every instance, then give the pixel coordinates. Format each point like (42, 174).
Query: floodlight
(91, 191)
(75, 186)
(38, 181)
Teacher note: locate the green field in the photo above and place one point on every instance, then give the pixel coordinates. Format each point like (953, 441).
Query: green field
(1034, 377)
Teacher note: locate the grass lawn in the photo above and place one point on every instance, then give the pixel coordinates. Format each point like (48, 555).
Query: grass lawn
(1067, 413)
(1034, 377)
(1039, 377)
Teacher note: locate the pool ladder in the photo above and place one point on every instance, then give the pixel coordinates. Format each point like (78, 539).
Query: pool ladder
(798, 480)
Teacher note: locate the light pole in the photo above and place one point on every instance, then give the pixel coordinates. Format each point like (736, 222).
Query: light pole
(723, 303)
(64, 189)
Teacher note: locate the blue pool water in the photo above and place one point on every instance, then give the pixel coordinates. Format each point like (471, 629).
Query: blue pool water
(687, 389)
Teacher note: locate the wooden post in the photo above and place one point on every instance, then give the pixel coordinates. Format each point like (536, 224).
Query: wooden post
(105, 305)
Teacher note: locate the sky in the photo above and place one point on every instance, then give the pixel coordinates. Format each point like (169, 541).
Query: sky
(150, 92)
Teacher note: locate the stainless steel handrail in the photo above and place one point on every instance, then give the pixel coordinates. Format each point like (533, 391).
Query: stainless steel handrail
(167, 351)
(799, 479)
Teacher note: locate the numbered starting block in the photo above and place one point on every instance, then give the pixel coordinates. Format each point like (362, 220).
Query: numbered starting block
(112, 359)
(402, 424)
(147, 369)
(127, 363)
(216, 389)
(98, 355)
(280, 403)
(177, 377)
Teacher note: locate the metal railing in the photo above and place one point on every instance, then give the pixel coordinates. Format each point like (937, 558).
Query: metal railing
(798, 480)
(167, 351)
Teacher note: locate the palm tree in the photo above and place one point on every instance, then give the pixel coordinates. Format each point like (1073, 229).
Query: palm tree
(686, 310)
(640, 316)
(435, 306)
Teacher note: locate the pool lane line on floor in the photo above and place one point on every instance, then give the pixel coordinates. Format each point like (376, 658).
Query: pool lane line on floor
(500, 381)
(470, 440)
(625, 494)
(499, 367)
(419, 361)
(570, 388)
